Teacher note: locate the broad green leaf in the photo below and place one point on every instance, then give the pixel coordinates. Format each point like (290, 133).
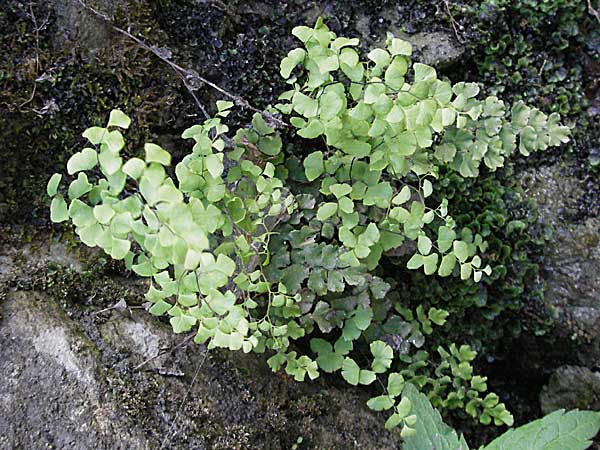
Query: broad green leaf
(461, 250)
(447, 265)
(225, 265)
(355, 147)
(350, 371)
(346, 205)
(95, 134)
(103, 213)
(424, 244)
(270, 145)
(393, 421)
(370, 236)
(573, 430)
(427, 188)
(313, 165)
(223, 105)
(182, 323)
(366, 377)
(110, 162)
(396, 115)
(79, 186)
(214, 164)
(236, 209)
(293, 58)
(349, 57)
(119, 248)
(144, 269)
(394, 74)
(303, 33)
(313, 129)
(362, 318)
(331, 103)
(339, 190)
(423, 72)
(382, 354)
(395, 384)
(81, 214)
(160, 307)
(134, 168)
(404, 407)
(220, 303)
(330, 362)
(380, 403)
(155, 153)
(52, 186)
(443, 92)
(118, 119)
(340, 42)
(83, 160)
(400, 47)
(326, 210)
(379, 195)
(114, 141)
(438, 316)
(446, 237)
(430, 263)
(415, 262)
(402, 197)
(91, 234)
(305, 105)
(381, 58)
(293, 276)
(465, 271)
(374, 92)
(58, 210)
(431, 432)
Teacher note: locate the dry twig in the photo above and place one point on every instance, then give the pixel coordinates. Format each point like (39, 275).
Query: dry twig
(183, 343)
(37, 28)
(452, 20)
(191, 79)
(594, 12)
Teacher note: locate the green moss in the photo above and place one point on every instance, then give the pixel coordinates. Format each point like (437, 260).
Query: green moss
(541, 51)
(37, 137)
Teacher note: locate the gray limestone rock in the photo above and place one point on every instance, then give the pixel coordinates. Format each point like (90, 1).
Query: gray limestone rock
(438, 49)
(79, 379)
(76, 24)
(571, 387)
(572, 264)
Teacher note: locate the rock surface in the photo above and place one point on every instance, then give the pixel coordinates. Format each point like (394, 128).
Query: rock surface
(71, 382)
(571, 387)
(438, 49)
(572, 256)
(76, 25)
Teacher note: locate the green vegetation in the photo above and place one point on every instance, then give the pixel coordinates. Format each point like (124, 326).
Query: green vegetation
(515, 65)
(259, 248)
(71, 91)
(544, 52)
(558, 430)
(488, 312)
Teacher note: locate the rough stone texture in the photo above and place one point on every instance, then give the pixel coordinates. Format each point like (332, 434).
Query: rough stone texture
(75, 24)
(572, 256)
(571, 387)
(50, 383)
(70, 379)
(438, 49)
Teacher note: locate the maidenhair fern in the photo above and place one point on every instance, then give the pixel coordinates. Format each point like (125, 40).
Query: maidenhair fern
(252, 246)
